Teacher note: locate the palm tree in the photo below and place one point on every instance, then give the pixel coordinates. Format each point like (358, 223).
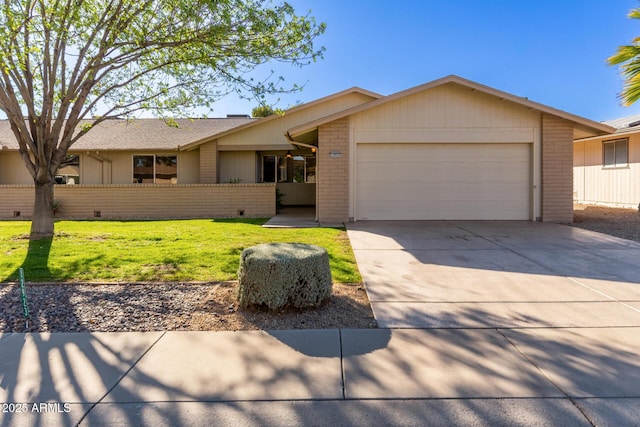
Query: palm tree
(628, 57)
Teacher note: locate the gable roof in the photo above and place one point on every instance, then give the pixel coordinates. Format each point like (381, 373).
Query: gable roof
(139, 134)
(300, 107)
(584, 125)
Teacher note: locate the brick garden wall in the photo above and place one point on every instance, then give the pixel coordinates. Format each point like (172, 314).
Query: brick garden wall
(137, 201)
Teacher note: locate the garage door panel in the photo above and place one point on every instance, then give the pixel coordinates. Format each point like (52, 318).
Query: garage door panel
(438, 152)
(441, 173)
(484, 210)
(478, 191)
(443, 181)
(430, 195)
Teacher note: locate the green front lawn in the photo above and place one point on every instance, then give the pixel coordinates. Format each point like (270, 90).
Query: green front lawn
(182, 250)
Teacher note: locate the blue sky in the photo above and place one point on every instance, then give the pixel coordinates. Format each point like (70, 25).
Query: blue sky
(551, 51)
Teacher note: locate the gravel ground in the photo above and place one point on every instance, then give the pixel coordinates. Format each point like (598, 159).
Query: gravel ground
(617, 222)
(168, 307)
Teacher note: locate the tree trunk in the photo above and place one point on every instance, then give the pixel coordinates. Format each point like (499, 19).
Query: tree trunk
(42, 218)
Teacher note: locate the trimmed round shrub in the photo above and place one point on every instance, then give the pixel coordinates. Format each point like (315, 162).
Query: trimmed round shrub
(277, 275)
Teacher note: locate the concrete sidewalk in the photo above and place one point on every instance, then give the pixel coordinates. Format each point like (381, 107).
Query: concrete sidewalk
(581, 376)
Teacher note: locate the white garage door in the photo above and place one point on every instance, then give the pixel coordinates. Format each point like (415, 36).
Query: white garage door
(443, 181)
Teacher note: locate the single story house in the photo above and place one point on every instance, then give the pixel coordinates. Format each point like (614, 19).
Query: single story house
(447, 149)
(606, 169)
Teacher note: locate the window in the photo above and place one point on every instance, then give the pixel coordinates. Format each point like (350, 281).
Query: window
(282, 169)
(166, 169)
(310, 169)
(154, 169)
(269, 169)
(615, 153)
(69, 170)
(296, 169)
(304, 169)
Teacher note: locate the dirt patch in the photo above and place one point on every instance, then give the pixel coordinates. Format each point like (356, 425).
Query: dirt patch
(348, 307)
(619, 222)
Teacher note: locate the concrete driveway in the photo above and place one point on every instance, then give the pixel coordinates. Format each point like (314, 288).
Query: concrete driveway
(496, 274)
(535, 312)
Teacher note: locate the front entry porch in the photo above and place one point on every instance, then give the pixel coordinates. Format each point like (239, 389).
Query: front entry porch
(294, 217)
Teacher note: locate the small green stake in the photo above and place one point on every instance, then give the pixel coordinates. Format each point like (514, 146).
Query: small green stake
(23, 291)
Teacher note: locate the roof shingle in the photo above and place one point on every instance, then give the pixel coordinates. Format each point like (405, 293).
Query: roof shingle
(140, 134)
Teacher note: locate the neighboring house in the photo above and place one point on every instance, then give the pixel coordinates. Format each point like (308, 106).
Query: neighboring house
(606, 169)
(448, 149)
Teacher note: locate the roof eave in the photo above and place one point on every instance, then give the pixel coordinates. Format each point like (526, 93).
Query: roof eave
(615, 134)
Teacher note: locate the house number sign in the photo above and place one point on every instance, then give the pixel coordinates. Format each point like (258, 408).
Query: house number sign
(335, 154)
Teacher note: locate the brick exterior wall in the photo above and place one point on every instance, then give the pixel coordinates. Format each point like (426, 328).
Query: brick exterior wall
(139, 201)
(209, 163)
(557, 170)
(333, 172)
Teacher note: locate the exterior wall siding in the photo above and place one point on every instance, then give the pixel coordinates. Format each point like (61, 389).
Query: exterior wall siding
(94, 171)
(333, 172)
(189, 167)
(236, 165)
(449, 106)
(610, 186)
(272, 132)
(557, 172)
(121, 163)
(136, 201)
(12, 169)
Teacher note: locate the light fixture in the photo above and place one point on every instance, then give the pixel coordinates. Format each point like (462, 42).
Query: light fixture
(289, 154)
(314, 149)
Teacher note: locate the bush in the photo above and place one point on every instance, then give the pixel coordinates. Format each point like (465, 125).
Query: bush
(277, 275)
